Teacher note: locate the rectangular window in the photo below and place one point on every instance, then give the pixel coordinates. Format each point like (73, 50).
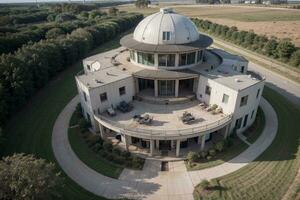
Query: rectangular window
(244, 100)
(207, 90)
(145, 58)
(88, 67)
(225, 98)
(258, 91)
(199, 56)
(238, 123)
(182, 59)
(122, 91)
(166, 60)
(245, 121)
(191, 58)
(84, 94)
(166, 35)
(132, 55)
(103, 97)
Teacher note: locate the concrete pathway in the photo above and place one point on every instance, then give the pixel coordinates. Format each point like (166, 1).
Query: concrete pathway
(150, 183)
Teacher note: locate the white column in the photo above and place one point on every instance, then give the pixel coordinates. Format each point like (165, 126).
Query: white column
(151, 147)
(203, 142)
(199, 140)
(176, 87)
(126, 141)
(137, 89)
(177, 148)
(155, 87)
(101, 128)
(226, 131)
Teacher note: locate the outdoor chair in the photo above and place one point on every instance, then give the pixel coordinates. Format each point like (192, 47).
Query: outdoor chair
(124, 107)
(187, 118)
(111, 112)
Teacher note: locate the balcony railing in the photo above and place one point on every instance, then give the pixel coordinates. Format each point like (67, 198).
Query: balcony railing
(149, 133)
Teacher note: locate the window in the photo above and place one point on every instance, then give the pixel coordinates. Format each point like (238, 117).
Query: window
(258, 91)
(166, 35)
(122, 91)
(244, 100)
(145, 58)
(238, 123)
(199, 56)
(88, 67)
(84, 94)
(252, 114)
(207, 90)
(245, 121)
(187, 58)
(225, 98)
(132, 55)
(242, 69)
(103, 97)
(166, 60)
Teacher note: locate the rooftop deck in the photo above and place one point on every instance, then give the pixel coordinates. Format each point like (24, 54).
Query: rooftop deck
(166, 123)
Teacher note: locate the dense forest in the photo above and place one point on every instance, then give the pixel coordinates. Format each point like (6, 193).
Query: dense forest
(36, 45)
(282, 49)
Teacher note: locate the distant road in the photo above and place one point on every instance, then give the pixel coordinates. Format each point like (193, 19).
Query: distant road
(288, 88)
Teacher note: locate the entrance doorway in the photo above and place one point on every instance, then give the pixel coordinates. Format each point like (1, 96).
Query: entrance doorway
(146, 86)
(186, 87)
(165, 145)
(166, 87)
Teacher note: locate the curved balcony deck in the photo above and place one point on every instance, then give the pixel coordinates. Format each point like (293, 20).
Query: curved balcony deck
(166, 123)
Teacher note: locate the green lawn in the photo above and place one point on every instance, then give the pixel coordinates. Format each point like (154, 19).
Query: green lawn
(270, 175)
(90, 158)
(30, 130)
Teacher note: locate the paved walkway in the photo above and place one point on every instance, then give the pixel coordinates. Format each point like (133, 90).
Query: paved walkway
(150, 183)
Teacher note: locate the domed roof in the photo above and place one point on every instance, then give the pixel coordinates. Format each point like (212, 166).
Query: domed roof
(166, 27)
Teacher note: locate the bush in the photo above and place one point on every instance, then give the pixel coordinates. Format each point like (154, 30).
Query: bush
(228, 142)
(107, 146)
(97, 147)
(204, 184)
(125, 154)
(219, 146)
(92, 139)
(208, 157)
(137, 162)
(203, 154)
(212, 152)
(119, 160)
(192, 156)
(83, 125)
(116, 151)
(110, 157)
(103, 154)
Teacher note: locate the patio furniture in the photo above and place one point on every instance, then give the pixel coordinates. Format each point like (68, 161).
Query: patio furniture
(124, 107)
(187, 118)
(146, 119)
(111, 112)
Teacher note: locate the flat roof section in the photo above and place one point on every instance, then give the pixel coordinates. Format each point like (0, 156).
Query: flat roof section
(103, 77)
(203, 42)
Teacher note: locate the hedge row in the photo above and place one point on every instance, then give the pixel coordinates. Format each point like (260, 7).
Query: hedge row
(283, 50)
(30, 67)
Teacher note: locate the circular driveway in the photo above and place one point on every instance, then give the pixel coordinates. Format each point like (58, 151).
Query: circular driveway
(150, 183)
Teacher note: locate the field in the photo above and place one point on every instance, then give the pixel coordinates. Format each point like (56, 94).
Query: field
(270, 175)
(281, 23)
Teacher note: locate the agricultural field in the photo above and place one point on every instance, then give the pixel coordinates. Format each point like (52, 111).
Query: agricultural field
(281, 23)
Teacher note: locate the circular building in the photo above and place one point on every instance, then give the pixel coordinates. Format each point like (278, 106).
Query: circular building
(163, 93)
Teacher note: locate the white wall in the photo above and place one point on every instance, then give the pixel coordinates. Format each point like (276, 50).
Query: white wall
(93, 103)
(236, 65)
(216, 96)
(252, 104)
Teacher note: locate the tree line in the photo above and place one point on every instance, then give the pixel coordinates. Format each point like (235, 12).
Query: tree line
(30, 67)
(281, 49)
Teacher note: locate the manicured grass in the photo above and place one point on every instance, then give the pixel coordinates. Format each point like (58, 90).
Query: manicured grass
(30, 130)
(230, 152)
(90, 158)
(257, 128)
(270, 175)
(237, 147)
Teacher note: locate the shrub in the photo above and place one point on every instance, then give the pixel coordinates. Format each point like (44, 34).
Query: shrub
(208, 157)
(116, 151)
(103, 154)
(192, 156)
(212, 152)
(83, 125)
(107, 146)
(125, 154)
(203, 154)
(228, 142)
(119, 160)
(110, 157)
(219, 146)
(204, 184)
(137, 162)
(97, 147)
(92, 139)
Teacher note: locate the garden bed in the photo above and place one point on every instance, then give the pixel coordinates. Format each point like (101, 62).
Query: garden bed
(226, 150)
(99, 154)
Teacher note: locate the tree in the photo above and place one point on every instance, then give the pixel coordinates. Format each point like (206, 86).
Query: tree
(25, 177)
(295, 59)
(285, 49)
(270, 47)
(113, 11)
(54, 33)
(192, 156)
(142, 3)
